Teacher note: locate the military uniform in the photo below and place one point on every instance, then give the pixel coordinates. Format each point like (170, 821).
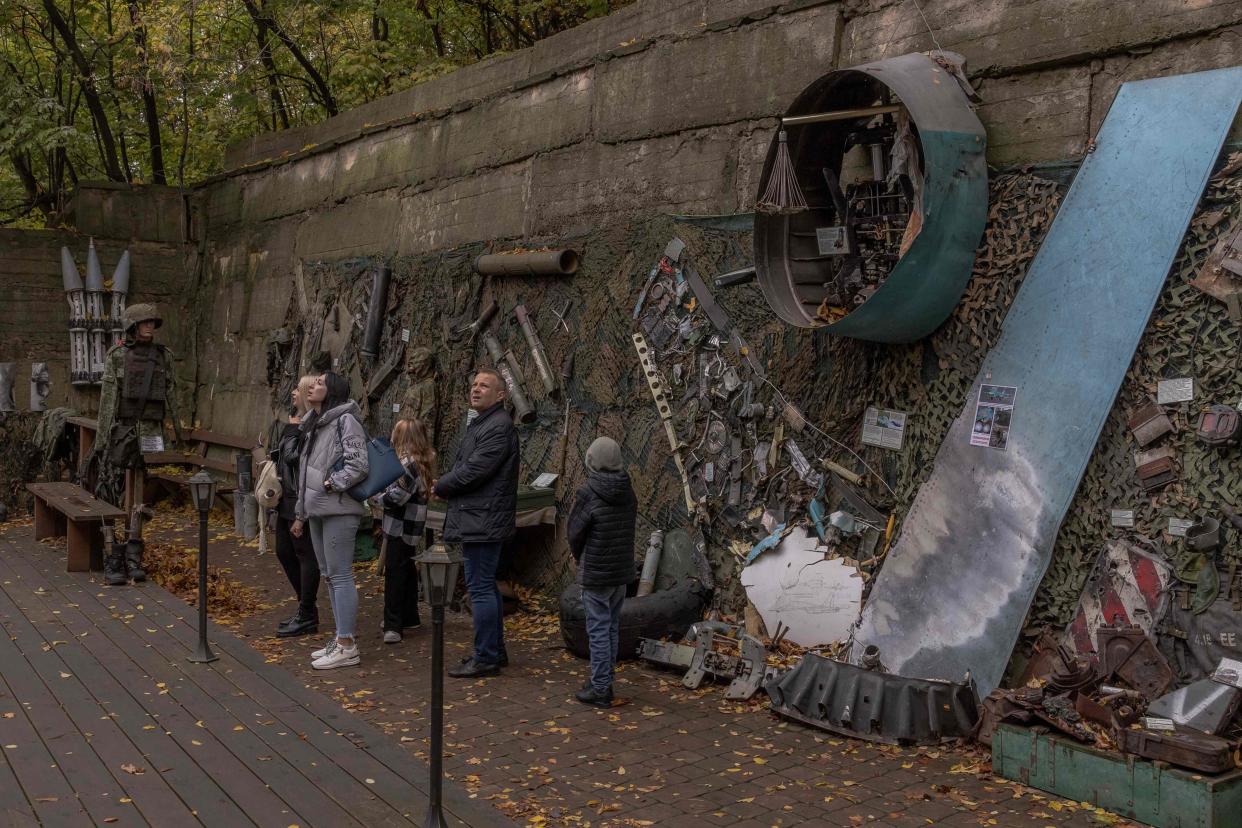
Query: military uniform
(138, 393)
(419, 400)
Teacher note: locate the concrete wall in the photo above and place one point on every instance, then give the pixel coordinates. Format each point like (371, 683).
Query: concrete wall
(34, 320)
(665, 106)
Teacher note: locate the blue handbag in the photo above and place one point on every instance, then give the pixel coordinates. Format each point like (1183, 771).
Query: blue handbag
(383, 467)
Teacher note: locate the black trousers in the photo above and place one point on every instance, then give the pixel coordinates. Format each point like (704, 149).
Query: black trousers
(400, 586)
(297, 557)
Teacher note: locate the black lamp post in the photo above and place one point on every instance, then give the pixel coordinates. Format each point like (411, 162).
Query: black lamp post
(439, 575)
(203, 493)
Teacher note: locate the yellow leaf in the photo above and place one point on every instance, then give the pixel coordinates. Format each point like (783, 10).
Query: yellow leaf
(759, 760)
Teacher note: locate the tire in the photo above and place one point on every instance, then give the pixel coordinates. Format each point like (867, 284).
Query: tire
(666, 614)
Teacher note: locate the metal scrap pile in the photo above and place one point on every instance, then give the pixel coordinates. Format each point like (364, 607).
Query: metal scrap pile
(1119, 698)
(1156, 478)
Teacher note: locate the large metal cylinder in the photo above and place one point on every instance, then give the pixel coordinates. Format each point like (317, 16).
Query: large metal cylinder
(536, 349)
(75, 293)
(380, 280)
(8, 371)
(522, 410)
(98, 323)
(539, 263)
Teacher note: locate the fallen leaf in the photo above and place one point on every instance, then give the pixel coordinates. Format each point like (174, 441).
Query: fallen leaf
(134, 769)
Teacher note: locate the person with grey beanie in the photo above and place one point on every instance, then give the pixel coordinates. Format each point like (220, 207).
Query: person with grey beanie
(601, 538)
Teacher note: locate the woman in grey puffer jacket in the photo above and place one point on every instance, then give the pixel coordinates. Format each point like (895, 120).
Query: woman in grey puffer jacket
(333, 432)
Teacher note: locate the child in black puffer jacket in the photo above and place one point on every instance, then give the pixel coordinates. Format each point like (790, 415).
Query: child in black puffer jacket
(601, 538)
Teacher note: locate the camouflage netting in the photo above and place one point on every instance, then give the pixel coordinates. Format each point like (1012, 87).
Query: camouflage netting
(830, 380)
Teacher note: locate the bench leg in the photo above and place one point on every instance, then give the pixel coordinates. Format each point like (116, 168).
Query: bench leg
(85, 544)
(48, 523)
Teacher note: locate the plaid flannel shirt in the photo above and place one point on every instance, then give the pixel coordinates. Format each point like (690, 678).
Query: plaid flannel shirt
(405, 505)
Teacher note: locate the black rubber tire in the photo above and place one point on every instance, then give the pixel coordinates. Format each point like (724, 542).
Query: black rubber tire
(666, 614)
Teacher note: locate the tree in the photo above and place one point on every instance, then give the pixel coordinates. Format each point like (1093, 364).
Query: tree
(94, 89)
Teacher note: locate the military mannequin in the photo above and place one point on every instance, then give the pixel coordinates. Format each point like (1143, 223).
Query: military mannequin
(138, 393)
(419, 399)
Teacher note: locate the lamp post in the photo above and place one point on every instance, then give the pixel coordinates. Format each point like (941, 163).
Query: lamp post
(203, 493)
(439, 575)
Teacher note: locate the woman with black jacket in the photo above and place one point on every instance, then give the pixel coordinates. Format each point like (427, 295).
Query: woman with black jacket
(296, 554)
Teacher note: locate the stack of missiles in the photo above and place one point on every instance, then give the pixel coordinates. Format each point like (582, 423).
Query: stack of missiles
(92, 331)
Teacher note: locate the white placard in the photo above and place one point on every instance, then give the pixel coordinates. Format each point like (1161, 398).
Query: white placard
(1158, 723)
(1178, 526)
(396, 408)
(1123, 518)
(150, 445)
(1229, 672)
(405, 334)
(544, 481)
(883, 428)
(1175, 390)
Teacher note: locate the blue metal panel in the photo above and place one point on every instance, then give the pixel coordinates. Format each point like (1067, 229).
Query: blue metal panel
(957, 585)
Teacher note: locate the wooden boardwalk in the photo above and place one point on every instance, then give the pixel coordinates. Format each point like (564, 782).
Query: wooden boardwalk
(103, 721)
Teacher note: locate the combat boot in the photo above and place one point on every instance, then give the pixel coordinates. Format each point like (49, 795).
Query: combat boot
(114, 565)
(133, 561)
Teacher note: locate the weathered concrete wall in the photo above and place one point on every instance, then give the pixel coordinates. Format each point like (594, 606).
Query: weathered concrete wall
(34, 322)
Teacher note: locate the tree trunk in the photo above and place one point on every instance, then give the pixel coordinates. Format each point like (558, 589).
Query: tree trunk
(150, 113)
(103, 129)
(437, 34)
(280, 114)
(319, 84)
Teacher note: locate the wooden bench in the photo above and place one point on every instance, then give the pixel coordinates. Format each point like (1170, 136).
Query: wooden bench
(65, 510)
(199, 457)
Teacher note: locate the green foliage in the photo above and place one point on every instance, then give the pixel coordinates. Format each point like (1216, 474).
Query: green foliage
(75, 97)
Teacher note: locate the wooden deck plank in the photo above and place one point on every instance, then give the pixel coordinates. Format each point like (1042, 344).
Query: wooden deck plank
(88, 781)
(253, 789)
(119, 689)
(111, 748)
(28, 760)
(330, 766)
(311, 780)
(15, 809)
(370, 776)
(267, 683)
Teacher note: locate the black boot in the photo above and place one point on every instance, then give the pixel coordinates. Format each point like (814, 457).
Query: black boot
(589, 695)
(133, 561)
(114, 566)
(298, 625)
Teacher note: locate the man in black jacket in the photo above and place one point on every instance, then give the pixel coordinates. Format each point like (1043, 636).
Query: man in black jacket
(601, 538)
(481, 490)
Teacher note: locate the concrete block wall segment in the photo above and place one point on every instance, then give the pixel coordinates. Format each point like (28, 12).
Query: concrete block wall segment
(362, 225)
(288, 188)
(577, 188)
(777, 57)
(119, 211)
(539, 118)
(1221, 48)
(393, 158)
(491, 205)
(1039, 116)
(1002, 36)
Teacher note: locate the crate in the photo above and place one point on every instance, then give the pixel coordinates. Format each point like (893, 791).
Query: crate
(1150, 792)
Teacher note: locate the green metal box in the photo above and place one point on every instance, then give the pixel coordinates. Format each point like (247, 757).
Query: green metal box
(1149, 792)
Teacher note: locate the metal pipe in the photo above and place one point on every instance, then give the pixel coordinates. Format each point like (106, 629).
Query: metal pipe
(380, 280)
(735, 277)
(539, 263)
(536, 349)
(840, 115)
(651, 563)
(521, 408)
(484, 318)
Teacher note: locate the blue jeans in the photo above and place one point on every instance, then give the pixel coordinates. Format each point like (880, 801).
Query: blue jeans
(333, 539)
(603, 625)
(486, 609)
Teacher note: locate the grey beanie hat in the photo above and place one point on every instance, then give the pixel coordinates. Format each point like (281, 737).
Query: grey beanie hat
(603, 455)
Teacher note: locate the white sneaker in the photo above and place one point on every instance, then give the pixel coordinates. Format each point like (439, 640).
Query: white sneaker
(392, 637)
(324, 650)
(339, 657)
